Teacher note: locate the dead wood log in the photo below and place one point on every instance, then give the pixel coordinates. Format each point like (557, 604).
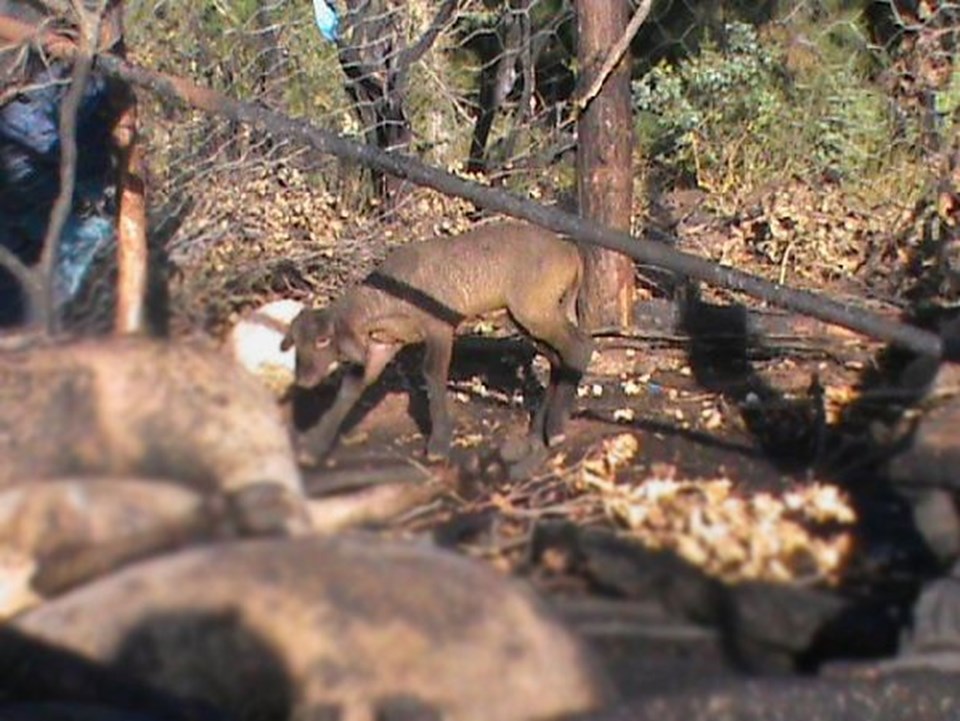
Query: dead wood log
(655, 253)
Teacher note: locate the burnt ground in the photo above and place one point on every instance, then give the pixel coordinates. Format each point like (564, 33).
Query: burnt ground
(684, 586)
(766, 416)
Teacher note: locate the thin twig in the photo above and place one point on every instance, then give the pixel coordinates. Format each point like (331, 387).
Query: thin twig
(614, 56)
(18, 269)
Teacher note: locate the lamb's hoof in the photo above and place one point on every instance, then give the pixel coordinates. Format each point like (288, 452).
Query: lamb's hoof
(555, 429)
(556, 439)
(312, 449)
(525, 467)
(438, 451)
(307, 459)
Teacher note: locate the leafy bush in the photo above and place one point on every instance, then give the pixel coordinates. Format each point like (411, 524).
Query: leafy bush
(733, 118)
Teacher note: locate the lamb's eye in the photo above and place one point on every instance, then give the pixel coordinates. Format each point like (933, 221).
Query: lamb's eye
(323, 342)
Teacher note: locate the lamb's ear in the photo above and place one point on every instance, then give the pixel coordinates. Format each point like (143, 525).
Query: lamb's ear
(287, 342)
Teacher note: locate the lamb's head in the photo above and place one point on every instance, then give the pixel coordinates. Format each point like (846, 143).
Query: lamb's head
(313, 334)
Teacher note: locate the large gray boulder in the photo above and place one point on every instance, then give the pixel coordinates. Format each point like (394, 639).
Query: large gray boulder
(352, 625)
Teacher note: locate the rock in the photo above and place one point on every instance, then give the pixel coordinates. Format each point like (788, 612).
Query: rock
(16, 587)
(926, 470)
(268, 628)
(764, 627)
(933, 457)
(920, 697)
(935, 516)
(934, 641)
(47, 680)
(931, 645)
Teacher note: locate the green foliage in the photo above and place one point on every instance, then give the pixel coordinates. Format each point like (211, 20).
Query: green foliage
(845, 124)
(733, 118)
(689, 113)
(948, 100)
(223, 44)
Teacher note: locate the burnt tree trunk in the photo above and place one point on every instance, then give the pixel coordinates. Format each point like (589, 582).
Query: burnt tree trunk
(604, 177)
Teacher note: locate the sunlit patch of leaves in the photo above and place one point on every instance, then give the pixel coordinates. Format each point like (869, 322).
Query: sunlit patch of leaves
(803, 533)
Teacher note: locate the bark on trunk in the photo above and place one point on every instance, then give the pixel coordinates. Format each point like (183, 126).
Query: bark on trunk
(131, 224)
(132, 258)
(605, 181)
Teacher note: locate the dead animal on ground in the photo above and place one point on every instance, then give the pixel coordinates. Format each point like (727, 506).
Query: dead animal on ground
(138, 407)
(74, 529)
(350, 626)
(421, 293)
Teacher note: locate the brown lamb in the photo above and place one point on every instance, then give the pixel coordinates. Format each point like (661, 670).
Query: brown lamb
(421, 293)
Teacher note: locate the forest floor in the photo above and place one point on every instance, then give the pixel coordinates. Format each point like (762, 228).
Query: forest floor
(741, 441)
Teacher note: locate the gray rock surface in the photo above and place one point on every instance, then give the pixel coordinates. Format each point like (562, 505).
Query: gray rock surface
(267, 628)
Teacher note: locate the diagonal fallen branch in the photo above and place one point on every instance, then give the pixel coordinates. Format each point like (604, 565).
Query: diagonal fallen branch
(659, 254)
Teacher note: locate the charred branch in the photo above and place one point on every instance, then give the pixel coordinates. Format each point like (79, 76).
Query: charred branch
(180, 91)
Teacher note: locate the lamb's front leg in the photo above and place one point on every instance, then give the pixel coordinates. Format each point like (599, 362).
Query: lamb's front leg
(319, 440)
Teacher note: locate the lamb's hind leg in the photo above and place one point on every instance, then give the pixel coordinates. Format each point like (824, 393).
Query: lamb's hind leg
(544, 311)
(568, 351)
(573, 349)
(551, 416)
(436, 370)
(538, 424)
